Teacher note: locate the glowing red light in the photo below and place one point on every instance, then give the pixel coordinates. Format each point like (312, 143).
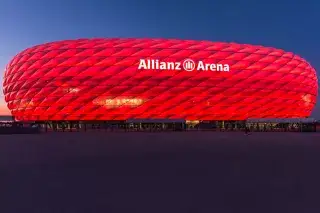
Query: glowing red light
(99, 79)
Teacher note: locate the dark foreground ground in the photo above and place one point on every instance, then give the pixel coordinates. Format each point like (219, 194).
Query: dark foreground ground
(160, 172)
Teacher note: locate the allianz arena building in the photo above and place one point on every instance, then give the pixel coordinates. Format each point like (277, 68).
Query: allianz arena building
(117, 79)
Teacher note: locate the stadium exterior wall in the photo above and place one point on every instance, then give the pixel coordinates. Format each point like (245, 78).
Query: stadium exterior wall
(109, 79)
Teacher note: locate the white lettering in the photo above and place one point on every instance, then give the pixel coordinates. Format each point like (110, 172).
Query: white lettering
(163, 66)
(219, 67)
(142, 64)
(177, 66)
(152, 64)
(200, 66)
(212, 67)
(170, 66)
(226, 68)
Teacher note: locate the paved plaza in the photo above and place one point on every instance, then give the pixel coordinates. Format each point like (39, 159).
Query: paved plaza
(160, 172)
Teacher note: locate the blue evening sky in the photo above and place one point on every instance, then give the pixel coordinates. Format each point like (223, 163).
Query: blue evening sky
(290, 25)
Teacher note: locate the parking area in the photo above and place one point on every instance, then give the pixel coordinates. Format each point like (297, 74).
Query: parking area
(160, 172)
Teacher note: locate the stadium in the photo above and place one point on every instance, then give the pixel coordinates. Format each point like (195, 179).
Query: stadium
(162, 80)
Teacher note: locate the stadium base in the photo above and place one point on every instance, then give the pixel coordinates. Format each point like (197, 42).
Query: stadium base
(140, 125)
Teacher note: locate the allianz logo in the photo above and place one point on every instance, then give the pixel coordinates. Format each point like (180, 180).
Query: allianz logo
(187, 65)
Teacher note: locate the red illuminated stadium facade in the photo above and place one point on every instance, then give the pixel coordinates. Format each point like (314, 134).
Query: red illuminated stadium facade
(107, 79)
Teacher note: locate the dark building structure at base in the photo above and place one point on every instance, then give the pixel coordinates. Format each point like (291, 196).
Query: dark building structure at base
(289, 125)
